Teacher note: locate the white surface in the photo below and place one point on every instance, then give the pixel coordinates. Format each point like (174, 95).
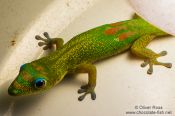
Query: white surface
(121, 83)
(158, 12)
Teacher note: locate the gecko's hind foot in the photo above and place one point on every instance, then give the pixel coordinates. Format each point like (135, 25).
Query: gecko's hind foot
(86, 90)
(47, 42)
(151, 62)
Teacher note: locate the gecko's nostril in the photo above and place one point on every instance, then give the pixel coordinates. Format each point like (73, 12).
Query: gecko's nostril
(12, 91)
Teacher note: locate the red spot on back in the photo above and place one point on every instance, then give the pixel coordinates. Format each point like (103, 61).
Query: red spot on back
(114, 30)
(111, 31)
(124, 36)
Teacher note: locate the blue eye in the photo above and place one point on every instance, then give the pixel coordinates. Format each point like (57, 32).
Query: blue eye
(40, 82)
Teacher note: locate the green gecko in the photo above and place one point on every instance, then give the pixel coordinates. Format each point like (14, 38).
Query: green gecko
(79, 54)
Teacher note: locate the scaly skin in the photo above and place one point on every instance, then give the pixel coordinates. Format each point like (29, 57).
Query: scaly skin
(77, 55)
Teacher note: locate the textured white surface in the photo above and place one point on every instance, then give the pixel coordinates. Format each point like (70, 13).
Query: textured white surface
(158, 12)
(121, 83)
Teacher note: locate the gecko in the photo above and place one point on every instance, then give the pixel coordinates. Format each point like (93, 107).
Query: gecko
(80, 53)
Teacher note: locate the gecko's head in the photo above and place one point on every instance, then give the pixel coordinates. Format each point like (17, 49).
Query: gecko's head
(31, 79)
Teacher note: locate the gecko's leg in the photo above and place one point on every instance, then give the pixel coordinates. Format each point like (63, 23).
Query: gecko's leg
(49, 42)
(89, 88)
(139, 49)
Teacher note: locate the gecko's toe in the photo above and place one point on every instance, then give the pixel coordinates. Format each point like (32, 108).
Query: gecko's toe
(163, 53)
(81, 91)
(41, 43)
(37, 37)
(47, 35)
(168, 65)
(84, 86)
(46, 47)
(93, 96)
(150, 71)
(80, 98)
(145, 63)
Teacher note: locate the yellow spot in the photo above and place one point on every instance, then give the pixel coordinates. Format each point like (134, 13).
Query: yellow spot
(117, 39)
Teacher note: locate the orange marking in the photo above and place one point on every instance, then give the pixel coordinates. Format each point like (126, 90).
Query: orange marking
(39, 68)
(124, 36)
(113, 31)
(27, 77)
(19, 86)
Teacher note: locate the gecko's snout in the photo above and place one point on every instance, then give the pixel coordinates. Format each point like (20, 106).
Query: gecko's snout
(12, 91)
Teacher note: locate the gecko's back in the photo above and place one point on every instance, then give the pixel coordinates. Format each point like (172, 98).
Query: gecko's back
(101, 42)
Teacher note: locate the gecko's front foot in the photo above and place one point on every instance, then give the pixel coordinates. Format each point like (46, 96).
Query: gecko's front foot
(47, 42)
(87, 89)
(153, 61)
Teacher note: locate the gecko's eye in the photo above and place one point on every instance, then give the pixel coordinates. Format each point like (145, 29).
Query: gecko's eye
(40, 82)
